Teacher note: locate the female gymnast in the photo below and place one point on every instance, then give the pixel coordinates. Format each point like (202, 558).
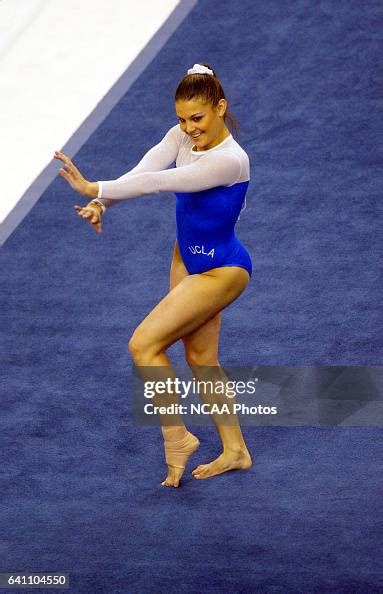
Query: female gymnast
(210, 267)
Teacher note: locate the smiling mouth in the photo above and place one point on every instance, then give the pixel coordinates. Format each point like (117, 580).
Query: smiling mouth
(196, 136)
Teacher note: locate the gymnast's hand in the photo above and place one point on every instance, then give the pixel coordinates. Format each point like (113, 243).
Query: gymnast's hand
(70, 172)
(93, 213)
(75, 178)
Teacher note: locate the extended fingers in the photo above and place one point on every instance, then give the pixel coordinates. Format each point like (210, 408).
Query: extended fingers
(64, 173)
(62, 157)
(68, 165)
(67, 170)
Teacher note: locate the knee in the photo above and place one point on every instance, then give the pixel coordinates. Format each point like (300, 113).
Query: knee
(201, 358)
(134, 345)
(139, 347)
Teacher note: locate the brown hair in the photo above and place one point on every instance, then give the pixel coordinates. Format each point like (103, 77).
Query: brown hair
(205, 87)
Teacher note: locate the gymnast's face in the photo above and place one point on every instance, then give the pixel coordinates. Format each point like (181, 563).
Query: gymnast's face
(203, 122)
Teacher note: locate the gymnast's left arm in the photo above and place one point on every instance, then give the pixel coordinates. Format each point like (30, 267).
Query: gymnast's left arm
(159, 157)
(214, 169)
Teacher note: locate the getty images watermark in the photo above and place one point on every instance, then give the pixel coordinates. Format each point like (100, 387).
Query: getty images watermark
(258, 395)
(212, 389)
(210, 394)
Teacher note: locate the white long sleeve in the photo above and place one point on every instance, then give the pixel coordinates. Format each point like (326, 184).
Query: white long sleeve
(212, 169)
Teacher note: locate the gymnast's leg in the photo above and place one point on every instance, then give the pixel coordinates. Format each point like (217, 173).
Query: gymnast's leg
(201, 353)
(189, 305)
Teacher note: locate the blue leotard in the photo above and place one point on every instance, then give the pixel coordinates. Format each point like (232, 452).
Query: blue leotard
(210, 187)
(205, 228)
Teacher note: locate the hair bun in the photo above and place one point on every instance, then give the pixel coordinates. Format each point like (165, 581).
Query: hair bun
(201, 69)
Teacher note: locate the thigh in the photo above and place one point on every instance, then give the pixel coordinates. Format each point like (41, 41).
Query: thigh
(177, 268)
(191, 303)
(204, 339)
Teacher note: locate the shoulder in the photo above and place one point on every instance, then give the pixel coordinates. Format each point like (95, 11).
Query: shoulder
(243, 158)
(238, 150)
(232, 155)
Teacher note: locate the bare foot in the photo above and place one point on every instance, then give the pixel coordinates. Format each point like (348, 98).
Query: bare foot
(177, 453)
(230, 460)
